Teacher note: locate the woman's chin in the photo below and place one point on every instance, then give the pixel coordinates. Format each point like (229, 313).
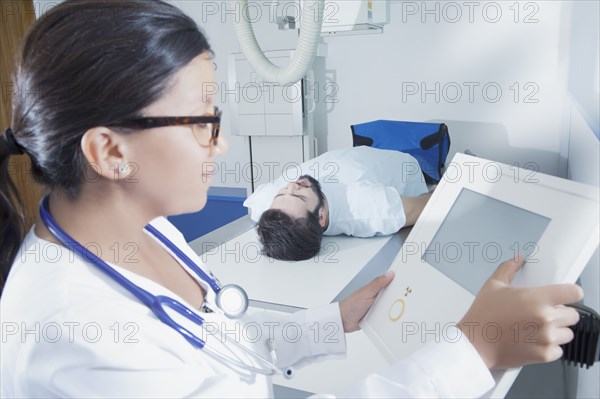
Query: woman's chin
(191, 207)
(200, 203)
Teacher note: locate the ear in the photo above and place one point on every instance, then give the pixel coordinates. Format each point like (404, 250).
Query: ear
(323, 217)
(105, 151)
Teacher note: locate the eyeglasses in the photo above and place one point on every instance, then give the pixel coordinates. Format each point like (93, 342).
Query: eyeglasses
(205, 128)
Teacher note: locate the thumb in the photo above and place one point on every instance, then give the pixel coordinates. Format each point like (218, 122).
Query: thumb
(507, 270)
(379, 283)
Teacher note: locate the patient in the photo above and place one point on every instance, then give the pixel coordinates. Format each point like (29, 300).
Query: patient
(359, 191)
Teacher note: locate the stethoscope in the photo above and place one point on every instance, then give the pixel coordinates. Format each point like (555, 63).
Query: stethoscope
(230, 299)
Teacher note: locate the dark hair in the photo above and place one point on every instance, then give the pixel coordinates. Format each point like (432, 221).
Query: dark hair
(283, 237)
(85, 64)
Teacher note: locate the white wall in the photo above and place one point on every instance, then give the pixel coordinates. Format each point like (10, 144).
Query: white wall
(375, 77)
(523, 53)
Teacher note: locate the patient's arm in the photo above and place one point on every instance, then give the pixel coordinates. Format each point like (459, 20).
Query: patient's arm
(413, 206)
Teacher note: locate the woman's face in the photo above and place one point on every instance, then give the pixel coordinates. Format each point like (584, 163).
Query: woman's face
(173, 171)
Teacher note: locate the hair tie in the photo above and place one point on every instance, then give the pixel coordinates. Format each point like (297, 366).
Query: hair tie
(13, 147)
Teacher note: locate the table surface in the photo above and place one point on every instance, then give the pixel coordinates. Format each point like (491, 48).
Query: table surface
(387, 249)
(362, 357)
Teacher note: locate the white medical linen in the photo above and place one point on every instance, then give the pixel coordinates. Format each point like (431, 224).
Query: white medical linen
(363, 186)
(69, 331)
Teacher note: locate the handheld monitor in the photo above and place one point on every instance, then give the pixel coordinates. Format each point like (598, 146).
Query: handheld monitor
(481, 214)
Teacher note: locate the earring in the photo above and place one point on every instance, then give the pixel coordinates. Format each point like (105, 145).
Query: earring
(123, 169)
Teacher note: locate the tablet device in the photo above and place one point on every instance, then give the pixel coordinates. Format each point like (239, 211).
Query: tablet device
(481, 214)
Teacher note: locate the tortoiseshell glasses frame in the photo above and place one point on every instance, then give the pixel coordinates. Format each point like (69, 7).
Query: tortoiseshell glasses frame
(205, 128)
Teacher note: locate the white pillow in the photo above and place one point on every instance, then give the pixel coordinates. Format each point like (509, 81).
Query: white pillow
(262, 199)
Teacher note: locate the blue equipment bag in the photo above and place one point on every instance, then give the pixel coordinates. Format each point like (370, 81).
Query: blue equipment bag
(428, 143)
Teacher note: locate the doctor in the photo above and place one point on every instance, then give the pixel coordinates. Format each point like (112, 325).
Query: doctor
(112, 113)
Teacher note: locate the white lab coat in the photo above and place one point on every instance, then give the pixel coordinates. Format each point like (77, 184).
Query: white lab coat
(69, 331)
(363, 186)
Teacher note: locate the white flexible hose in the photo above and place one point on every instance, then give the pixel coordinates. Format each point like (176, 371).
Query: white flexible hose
(312, 21)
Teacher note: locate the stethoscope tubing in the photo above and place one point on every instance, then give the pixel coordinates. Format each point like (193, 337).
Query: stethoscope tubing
(69, 242)
(156, 303)
(181, 255)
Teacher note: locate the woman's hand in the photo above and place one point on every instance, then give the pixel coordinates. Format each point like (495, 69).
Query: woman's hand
(356, 306)
(514, 326)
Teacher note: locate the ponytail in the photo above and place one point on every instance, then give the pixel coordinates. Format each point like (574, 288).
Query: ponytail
(12, 218)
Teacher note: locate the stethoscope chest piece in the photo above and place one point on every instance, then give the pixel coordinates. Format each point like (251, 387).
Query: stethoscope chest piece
(232, 300)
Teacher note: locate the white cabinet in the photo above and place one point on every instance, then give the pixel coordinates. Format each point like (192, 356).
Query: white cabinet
(278, 120)
(264, 108)
(271, 156)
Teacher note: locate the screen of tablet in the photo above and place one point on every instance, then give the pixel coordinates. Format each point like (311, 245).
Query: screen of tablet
(478, 234)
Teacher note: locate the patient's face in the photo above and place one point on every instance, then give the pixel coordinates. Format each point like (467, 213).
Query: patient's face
(298, 198)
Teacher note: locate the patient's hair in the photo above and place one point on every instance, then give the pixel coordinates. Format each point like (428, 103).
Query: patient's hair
(287, 238)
